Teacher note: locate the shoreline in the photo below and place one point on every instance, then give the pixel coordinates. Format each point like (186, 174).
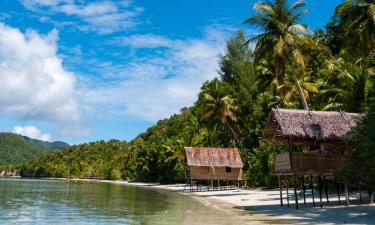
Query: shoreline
(257, 206)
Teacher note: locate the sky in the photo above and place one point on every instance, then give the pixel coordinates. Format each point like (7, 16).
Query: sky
(86, 70)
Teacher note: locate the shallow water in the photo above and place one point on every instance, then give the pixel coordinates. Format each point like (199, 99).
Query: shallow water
(25, 201)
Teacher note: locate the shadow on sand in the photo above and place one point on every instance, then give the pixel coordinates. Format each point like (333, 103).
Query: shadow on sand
(308, 214)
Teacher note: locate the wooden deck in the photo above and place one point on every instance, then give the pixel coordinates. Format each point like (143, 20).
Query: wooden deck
(300, 163)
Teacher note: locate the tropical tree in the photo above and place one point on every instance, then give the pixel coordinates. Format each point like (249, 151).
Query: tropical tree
(360, 168)
(348, 86)
(217, 104)
(282, 37)
(356, 19)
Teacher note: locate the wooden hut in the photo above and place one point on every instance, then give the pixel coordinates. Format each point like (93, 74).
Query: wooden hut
(214, 164)
(321, 133)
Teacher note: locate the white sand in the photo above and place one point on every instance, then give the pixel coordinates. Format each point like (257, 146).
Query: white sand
(258, 206)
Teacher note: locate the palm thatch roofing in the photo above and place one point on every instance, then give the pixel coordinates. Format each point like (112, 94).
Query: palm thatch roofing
(213, 157)
(293, 126)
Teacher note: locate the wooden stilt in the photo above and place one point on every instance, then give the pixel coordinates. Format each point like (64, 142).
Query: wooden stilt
(212, 185)
(371, 198)
(281, 192)
(295, 193)
(320, 191)
(347, 199)
(218, 184)
(287, 192)
(312, 190)
(338, 192)
(304, 190)
(325, 188)
(360, 194)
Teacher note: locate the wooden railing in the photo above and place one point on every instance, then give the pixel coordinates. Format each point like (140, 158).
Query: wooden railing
(300, 163)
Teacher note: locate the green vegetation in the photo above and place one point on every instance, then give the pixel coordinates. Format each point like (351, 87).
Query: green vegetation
(290, 67)
(360, 169)
(16, 149)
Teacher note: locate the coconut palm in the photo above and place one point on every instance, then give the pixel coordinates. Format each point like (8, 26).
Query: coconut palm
(282, 37)
(218, 105)
(357, 19)
(349, 85)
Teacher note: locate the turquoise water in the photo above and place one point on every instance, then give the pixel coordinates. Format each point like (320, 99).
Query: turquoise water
(25, 201)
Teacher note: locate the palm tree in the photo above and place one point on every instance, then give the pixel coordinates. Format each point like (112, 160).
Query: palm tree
(349, 85)
(282, 37)
(218, 105)
(308, 85)
(357, 19)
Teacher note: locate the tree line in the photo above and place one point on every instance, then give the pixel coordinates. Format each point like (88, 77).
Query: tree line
(290, 67)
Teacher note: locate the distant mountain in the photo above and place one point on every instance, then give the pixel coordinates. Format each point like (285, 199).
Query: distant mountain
(16, 149)
(56, 145)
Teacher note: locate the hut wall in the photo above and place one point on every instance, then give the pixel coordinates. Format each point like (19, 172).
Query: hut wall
(301, 163)
(215, 173)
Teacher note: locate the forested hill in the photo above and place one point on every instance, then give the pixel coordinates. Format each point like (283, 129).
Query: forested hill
(56, 145)
(16, 149)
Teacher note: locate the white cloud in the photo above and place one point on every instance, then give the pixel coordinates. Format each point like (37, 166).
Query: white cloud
(99, 16)
(145, 41)
(33, 82)
(32, 132)
(160, 84)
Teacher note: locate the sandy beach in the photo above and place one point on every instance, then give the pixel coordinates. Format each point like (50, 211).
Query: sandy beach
(257, 206)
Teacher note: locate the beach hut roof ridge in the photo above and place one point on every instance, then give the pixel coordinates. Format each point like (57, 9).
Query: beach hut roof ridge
(213, 157)
(313, 125)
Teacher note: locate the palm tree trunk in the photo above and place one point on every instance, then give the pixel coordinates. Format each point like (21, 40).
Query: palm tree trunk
(234, 134)
(303, 99)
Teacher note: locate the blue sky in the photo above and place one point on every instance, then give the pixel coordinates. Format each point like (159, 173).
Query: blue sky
(79, 70)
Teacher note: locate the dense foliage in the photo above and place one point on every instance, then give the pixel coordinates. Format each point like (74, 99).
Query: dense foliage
(290, 67)
(360, 169)
(16, 149)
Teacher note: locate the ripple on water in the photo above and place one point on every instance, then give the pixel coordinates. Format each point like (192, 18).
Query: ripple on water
(56, 202)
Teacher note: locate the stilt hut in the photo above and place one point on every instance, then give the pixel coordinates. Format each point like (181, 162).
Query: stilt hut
(321, 133)
(219, 164)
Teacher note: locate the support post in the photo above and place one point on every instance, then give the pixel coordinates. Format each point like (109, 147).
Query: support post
(304, 190)
(320, 191)
(347, 199)
(312, 190)
(287, 192)
(281, 192)
(325, 189)
(295, 194)
(218, 183)
(360, 194)
(370, 196)
(338, 192)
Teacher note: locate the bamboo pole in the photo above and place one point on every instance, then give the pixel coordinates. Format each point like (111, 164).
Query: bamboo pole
(295, 194)
(287, 191)
(325, 189)
(304, 190)
(338, 192)
(312, 190)
(371, 198)
(320, 191)
(281, 192)
(347, 199)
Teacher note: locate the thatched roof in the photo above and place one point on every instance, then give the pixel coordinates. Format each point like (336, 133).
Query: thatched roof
(213, 157)
(290, 125)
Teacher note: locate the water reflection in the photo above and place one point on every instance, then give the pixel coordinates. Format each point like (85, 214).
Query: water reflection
(55, 202)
